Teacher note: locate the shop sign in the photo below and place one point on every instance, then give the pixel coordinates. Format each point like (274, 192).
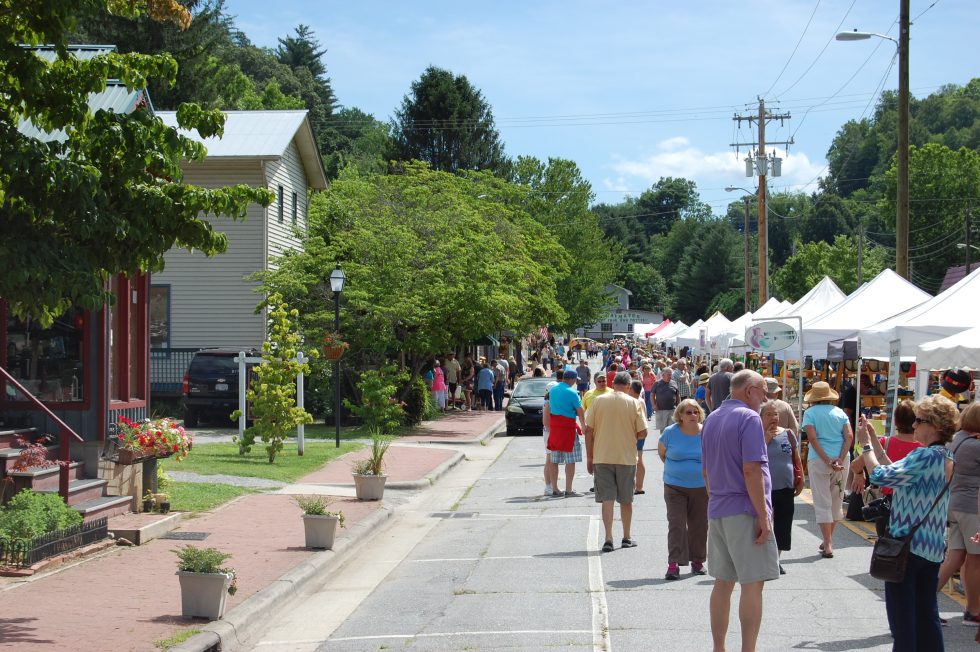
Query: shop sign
(770, 336)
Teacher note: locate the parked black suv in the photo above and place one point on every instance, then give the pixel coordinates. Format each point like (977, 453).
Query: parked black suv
(211, 386)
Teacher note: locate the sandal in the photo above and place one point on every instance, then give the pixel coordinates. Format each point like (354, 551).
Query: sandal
(608, 546)
(826, 555)
(638, 492)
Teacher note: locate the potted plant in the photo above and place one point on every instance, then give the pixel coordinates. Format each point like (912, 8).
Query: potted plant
(148, 501)
(319, 524)
(333, 347)
(369, 478)
(205, 582)
(141, 440)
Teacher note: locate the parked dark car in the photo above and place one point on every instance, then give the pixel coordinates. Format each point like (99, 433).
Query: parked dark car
(211, 387)
(523, 414)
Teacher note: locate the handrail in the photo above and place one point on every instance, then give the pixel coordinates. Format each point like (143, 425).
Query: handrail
(64, 445)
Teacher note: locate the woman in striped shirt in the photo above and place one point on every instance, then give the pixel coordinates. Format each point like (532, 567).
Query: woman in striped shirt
(918, 478)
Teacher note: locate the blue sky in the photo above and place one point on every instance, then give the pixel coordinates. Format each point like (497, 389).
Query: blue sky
(635, 90)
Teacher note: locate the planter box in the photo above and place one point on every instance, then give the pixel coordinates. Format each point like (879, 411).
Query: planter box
(320, 530)
(124, 480)
(203, 595)
(369, 487)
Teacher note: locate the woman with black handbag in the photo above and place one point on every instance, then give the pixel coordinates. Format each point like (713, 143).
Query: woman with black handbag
(919, 504)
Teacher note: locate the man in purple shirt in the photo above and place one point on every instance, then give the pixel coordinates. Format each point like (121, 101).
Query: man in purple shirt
(741, 546)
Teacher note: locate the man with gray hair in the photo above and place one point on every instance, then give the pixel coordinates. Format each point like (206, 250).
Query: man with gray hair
(613, 424)
(741, 545)
(719, 385)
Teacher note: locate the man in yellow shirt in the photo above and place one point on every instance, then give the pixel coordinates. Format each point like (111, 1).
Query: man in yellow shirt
(613, 423)
(600, 389)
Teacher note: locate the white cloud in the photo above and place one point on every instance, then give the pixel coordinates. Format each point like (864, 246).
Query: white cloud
(676, 157)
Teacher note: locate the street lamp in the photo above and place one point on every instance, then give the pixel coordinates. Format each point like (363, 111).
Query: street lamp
(902, 192)
(747, 271)
(337, 279)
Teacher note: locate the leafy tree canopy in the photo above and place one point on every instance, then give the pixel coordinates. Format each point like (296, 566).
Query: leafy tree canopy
(446, 122)
(814, 260)
(106, 199)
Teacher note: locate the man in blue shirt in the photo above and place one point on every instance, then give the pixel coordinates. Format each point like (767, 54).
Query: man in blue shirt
(484, 386)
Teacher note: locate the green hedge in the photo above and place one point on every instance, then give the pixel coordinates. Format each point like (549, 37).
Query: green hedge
(30, 514)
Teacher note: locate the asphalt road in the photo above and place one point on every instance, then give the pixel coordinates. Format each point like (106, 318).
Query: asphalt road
(483, 561)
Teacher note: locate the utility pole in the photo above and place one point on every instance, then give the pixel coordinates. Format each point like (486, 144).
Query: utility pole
(969, 210)
(748, 267)
(760, 166)
(902, 193)
(860, 251)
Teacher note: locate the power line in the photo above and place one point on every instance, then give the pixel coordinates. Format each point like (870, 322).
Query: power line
(793, 53)
(924, 11)
(819, 54)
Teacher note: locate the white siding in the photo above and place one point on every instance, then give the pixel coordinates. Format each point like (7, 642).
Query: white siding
(212, 303)
(287, 172)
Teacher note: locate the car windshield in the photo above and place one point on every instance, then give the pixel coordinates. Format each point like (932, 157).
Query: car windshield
(531, 388)
(214, 364)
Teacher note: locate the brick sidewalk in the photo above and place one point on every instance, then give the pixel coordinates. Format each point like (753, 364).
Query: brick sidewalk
(127, 598)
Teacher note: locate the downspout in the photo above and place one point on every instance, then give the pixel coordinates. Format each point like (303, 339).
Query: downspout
(265, 245)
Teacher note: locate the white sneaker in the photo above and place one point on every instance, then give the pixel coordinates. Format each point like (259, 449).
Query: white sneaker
(547, 490)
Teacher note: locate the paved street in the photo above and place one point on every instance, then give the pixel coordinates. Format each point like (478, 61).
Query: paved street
(483, 561)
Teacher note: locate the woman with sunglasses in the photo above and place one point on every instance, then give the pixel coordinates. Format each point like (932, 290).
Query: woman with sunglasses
(918, 478)
(684, 491)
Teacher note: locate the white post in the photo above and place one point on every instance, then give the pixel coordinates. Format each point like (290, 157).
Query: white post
(301, 428)
(242, 382)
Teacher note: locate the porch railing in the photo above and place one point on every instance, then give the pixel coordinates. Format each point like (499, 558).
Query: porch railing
(65, 431)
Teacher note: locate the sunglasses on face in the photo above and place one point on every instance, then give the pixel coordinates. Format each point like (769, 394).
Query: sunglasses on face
(691, 412)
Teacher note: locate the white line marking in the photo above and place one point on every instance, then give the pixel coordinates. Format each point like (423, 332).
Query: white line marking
(423, 561)
(447, 634)
(597, 589)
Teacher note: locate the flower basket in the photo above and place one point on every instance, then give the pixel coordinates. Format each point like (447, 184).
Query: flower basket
(333, 352)
(127, 456)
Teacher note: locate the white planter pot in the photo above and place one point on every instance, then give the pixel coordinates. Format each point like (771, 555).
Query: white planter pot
(203, 595)
(320, 530)
(369, 487)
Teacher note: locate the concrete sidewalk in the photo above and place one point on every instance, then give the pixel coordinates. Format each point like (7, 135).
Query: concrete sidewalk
(129, 598)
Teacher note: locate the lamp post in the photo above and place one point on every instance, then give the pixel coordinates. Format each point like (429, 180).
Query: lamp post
(337, 279)
(747, 271)
(902, 192)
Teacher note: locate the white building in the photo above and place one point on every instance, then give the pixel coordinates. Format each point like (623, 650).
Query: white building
(621, 317)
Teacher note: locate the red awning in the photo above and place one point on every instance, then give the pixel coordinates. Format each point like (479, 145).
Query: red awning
(664, 324)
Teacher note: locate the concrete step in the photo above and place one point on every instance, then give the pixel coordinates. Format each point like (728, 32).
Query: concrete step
(9, 436)
(107, 506)
(42, 478)
(80, 491)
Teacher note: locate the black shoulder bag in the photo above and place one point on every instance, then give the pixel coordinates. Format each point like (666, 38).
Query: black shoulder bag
(890, 556)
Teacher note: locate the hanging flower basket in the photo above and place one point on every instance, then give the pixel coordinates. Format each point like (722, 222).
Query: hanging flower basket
(127, 456)
(333, 346)
(333, 352)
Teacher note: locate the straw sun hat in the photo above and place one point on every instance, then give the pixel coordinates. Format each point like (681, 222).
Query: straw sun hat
(820, 392)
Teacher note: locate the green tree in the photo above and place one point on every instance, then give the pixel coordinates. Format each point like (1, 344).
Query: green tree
(559, 197)
(446, 122)
(108, 198)
(303, 52)
(942, 185)
(814, 260)
(272, 394)
(665, 202)
(353, 137)
(710, 265)
(429, 262)
(647, 285)
(829, 218)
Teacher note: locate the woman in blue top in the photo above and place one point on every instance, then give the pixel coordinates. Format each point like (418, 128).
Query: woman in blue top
(917, 479)
(684, 491)
(828, 430)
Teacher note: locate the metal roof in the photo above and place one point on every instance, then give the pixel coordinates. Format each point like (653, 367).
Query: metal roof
(115, 97)
(83, 52)
(262, 135)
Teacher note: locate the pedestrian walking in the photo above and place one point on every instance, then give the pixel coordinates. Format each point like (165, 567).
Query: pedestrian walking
(612, 425)
(719, 385)
(783, 450)
(636, 391)
(787, 417)
(682, 378)
(566, 419)
(499, 368)
(584, 374)
(439, 386)
(484, 385)
(452, 369)
(741, 545)
(684, 493)
(665, 399)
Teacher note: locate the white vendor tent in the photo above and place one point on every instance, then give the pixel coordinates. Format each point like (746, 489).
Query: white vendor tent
(671, 331)
(723, 340)
(947, 313)
(959, 350)
(685, 334)
(822, 297)
(771, 307)
(713, 324)
(886, 294)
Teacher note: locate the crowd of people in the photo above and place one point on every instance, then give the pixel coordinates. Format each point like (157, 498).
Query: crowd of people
(733, 463)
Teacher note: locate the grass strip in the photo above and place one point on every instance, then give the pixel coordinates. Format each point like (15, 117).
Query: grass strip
(202, 496)
(223, 459)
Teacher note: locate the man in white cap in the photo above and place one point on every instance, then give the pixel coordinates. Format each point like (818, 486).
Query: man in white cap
(787, 418)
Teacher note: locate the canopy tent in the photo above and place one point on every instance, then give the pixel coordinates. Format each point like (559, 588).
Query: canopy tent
(888, 293)
(771, 307)
(692, 336)
(723, 340)
(822, 297)
(675, 328)
(959, 350)
(686, 332)
(947, 313)
(648, 330)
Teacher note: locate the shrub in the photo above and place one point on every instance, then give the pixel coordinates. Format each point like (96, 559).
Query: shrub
(418, 405)
(205, 560)
(30, 514)
(379, 408)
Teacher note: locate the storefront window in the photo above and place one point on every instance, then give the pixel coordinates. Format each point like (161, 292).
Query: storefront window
(47, 361)
(160, 316)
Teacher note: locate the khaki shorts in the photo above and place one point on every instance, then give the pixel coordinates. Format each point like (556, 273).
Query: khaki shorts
(962, 526)
(733, 555)
(614, 482)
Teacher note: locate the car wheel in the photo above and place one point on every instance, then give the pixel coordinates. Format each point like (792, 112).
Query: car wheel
(190, 418)
(511, 432)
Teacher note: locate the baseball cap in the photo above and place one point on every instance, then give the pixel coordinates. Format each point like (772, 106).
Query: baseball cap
(568, 373)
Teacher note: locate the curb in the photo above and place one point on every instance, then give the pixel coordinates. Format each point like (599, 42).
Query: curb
(235, 628)
(481, 439)
(432, 477)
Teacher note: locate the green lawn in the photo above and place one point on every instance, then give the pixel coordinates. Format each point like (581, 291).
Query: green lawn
(202, 496)
(223, 459)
